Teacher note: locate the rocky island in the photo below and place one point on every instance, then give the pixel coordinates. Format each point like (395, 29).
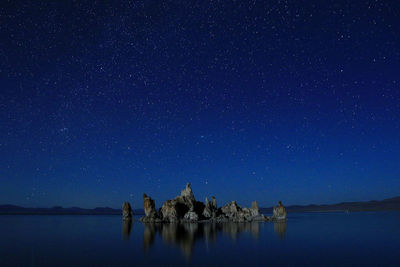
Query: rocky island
(126, 211)
(185, 208)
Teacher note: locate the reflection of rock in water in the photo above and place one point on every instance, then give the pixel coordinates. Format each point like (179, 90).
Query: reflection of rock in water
(149, 234)
(126, 228)
(233, 229)
(280, 229)
(185, 235)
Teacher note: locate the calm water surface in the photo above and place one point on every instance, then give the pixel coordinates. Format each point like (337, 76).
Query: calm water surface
(328, 239)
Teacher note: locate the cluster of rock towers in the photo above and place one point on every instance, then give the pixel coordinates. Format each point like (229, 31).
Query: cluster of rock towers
(185, 208)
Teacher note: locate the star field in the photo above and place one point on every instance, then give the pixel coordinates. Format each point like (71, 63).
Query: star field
(296, 101)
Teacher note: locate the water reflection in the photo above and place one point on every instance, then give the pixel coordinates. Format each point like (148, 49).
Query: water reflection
(280, 229)
(184, 235)
(126, 228)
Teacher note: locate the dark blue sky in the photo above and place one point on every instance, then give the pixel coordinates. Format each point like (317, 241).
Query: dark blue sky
(296, 101)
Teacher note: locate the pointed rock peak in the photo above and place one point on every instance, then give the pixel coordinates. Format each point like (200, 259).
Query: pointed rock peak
(214, 202)
(254, 209)
(149, 206)
(126, 211)
(126, 206)
(254, 205)
(279, 212)
(187, 192)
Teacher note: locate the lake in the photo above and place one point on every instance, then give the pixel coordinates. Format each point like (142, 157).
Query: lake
(327, 239)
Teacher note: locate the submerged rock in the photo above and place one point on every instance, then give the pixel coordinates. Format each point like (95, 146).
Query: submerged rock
(279, 212)
(126, 211)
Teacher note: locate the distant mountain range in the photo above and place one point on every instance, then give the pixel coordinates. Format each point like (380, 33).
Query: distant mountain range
(373, 205)
(57, 210)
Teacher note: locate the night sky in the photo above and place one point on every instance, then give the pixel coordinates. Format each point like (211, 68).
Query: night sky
(269, 100)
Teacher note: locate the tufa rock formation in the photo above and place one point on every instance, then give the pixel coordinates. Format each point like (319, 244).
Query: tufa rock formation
(254, 209)
(151, 215)
(191, 216)
(279, 212)
(210, 209)
(149, 205)
(126, 211)
(185, 208)
(232, 212)
(230, 209)
(171, 210)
